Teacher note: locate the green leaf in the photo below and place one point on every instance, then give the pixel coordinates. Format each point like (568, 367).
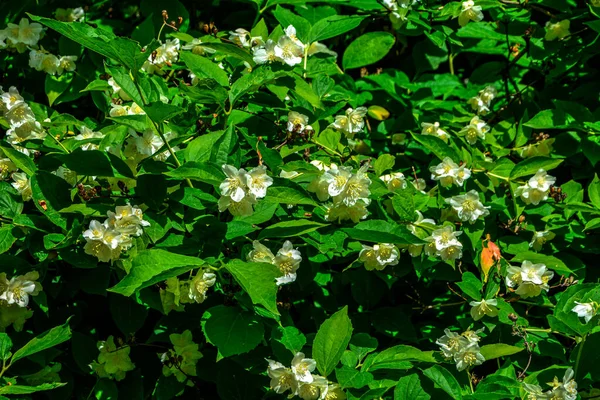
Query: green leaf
(383, 163)
(368, 49)
(284, 191)
(376, 231)
(290, 337)
(397, 357)
(21, 389)
(531, 165)
(250, 82)
(57, 85)
(5, 346)
(491, 351)
(437, 146)
(231, 330)
(231, 50)
(203, 172)
(290, 228)
(333, 26)
(206, 91)
(409, 388)
(329, 139)
(594, 191)
(404, 203)
(11, 204)
(202, 67)
(6, 238)
(160, 112)
(128, 315)
(125, 81)
(349, 377)
(287, 18)
(51, 194)
(445, 380)
(258, 280)
(471, 286)
(201, 147)
(331, 341)
(152, 266)
(96, 163)
(20, 160)
(46, 340)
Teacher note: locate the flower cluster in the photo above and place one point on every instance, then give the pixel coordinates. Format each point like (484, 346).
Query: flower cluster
(352, 122)
(22, 120)
(468, 207)
(379, 256)
(241, 189)
(565, 390)
(21, 37)
(182, 359)
(119, 110)
(69, 14)
(475, 130)
(300, 381)
(434, 130)
(398, 10)
(448, 173)
(420, 229)
(108, 239)
(41, 60)
(537, 188)
(166, 54)
(469, 12)
(587, 311)
(444, 243)
(113, 362)
(463, 349)
(287, 260)
(18, 289)
(288, 49)
(297, 123)
(177, 292)
(483, 101)
(349, 191)
(529, 279)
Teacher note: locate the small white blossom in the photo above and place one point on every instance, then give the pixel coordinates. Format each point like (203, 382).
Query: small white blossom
(258, 181)
(379, 256)
(260, 253)
(585, 310)
(448, 173)
(483, 307)
(282, 378)
(18, 289)
(557, 30)
(469, 12)
(537, 188)
(234, 185)
(85, 134)
(24, 35)
(530, 279)
(266, 53)
(394, 180)
(468, 206)
(475, 130)
(288, 261)
(242, 208)
(341, 212)
(198, 286)
(451, 343)
(66, 63)
(240, 36)
(22, 184)
(434, 130)
(288, 50)
(565, 390)
(297, 122)
(482, 102)
(468, 357)
(540, 238)
(444, 243)
(352, 122)
(302, 368)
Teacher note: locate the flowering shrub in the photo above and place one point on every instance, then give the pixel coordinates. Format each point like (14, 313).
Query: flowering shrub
(334, 199)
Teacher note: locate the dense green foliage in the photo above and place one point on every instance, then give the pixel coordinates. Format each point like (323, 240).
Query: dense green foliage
(245, 199)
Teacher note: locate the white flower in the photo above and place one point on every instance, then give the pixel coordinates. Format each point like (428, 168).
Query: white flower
(66, 63)
(22, 184)
(530, 279)
(118, 91)
(445, 237)
(379, 256)
(134, 109)
(19, 288)
(451, 343)
(540, 238)
(470, 12)
(302, 368)
(356, 189)
(352, 122)
(260, 253)
(258, 181)
(266, 53)
(468, 206)
(341, 212)
(117, 110)
(483, 307)
(197, 47)
(6, 167)
(434, 130)
(585, 310)
(282, 378)
(234, 186)
(241, 37)
(11, 98)
(199, 285)
(240, 208)
(289, 51)
(476, 129)
(313, 390)
(85, 134)
(394, 180)
(288, 261)
(482, 102)
(565, 390)
(398, 10)
(536, 189)
(444, 172)
(69, 14)
(468, 357)
(23, 35)
(297, 122)
(337, 178)
(165, 54)
(149, 143)
(557, 30)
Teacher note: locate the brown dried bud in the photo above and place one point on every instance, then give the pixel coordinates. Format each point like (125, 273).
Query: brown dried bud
(513, 317)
